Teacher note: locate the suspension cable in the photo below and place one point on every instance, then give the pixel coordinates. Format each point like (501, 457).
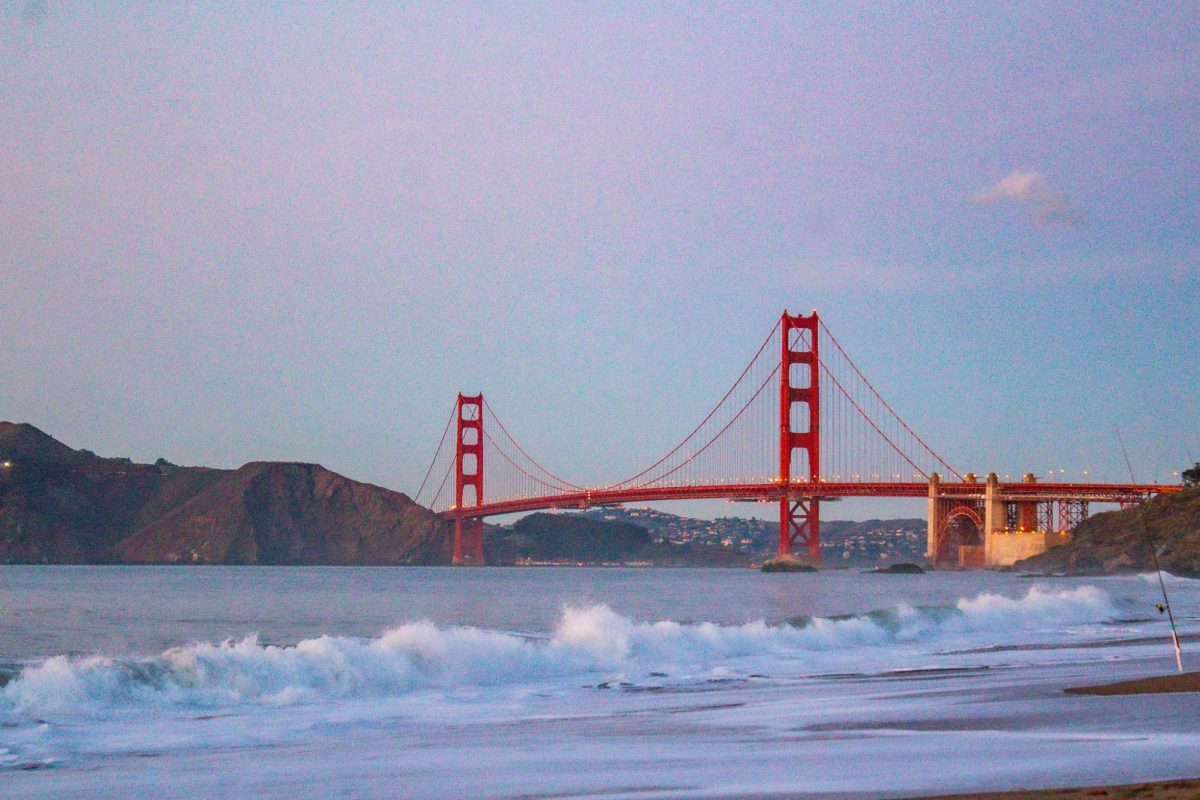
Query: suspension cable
(878, 396)
(442, 485)
(566, 483)
(437, 452)
(704, 421)
(520, 469)
(718, 435)
(838, 384)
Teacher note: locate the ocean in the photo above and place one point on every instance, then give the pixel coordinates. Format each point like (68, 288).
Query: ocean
(197, 682)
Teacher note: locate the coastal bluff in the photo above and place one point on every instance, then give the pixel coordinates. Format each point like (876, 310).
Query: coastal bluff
(64, 506)
(1121, 541)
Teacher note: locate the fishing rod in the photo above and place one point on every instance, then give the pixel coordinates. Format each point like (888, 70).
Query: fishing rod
(1165, 605)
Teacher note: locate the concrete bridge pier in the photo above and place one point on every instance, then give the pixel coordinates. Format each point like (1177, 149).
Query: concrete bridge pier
(995, 516)
(1013, 530)
(948, 542)
(1027, 510)
(935, 521)
(973, 525)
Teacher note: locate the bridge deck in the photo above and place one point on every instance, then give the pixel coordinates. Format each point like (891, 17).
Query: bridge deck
(773, 492)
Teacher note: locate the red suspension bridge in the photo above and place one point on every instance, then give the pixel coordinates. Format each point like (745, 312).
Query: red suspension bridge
(800, 424)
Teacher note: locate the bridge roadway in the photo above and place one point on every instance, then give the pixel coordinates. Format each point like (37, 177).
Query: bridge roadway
(773, 492)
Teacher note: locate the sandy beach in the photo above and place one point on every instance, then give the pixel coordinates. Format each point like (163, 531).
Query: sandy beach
(1160, 684)
(1165, 790)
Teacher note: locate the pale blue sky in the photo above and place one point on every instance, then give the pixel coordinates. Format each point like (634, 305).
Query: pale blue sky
(242, 231)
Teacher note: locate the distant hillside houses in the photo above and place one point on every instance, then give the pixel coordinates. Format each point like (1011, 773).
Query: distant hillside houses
(869, 543)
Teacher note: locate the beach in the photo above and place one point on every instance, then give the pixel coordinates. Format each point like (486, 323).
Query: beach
(1157, 684)
(1166, 790)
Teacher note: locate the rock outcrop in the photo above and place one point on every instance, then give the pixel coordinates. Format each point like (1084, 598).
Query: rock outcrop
(903, 568)
(1121, 541)
(788, 563)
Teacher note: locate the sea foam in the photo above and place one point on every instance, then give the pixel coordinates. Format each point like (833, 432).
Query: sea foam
(585, 643)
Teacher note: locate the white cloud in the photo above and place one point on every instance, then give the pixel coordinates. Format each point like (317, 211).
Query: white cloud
(1045, 205)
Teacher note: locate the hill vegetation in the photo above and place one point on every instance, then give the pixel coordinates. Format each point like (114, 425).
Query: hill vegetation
(1121, 541)
(844, 543)
(59, 505)
(580, 539)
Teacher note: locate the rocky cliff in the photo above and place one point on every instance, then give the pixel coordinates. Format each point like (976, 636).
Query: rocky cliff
(59, 505)
(1120, 541)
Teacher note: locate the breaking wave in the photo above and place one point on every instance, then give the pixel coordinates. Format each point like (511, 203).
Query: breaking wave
(586, 641)
(1168, 577)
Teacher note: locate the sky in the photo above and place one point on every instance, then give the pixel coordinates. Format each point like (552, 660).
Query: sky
(233, 232)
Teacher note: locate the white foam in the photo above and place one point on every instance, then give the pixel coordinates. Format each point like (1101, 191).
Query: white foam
(586, 642)
(1168, 577)
(1038, 608)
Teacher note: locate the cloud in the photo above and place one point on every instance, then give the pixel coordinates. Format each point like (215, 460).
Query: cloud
(1045, 205)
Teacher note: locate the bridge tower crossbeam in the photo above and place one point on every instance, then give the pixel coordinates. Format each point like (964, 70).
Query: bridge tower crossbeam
(468, 474)
(799, 517)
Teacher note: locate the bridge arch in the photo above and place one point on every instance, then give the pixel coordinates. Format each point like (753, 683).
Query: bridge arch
(962, 527)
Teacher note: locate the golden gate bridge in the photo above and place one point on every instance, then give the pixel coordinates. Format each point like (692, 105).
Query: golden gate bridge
(800, 425)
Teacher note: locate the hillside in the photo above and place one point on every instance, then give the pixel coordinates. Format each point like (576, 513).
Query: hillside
(59, 505)
(288, 513)
(843, 543)
(1119, 541)
(578, 538)
(22, 443)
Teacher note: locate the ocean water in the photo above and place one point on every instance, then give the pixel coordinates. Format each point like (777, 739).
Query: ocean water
(599, 683)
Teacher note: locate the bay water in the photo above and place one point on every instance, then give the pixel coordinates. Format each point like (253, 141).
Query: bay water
(315, 682)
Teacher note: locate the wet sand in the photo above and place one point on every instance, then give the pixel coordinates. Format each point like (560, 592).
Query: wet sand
(1161, 790)
(1162, 684)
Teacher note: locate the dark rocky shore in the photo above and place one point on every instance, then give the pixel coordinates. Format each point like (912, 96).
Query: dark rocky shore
(1122, 541)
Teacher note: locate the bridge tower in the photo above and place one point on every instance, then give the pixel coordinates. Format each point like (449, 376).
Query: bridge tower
(468, 473)
(799, 518)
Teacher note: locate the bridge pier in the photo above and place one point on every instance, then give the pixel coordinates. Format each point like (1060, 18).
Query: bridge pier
(800, 523)
(1012, 524)
(934, 520)
(995, 515)
(1016, 531)
(468, 542)
(1004, 545)
(965, 505)
(1026, 512)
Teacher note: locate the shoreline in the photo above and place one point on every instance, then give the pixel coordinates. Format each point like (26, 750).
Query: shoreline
(1185, 789)
(1157, 684)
